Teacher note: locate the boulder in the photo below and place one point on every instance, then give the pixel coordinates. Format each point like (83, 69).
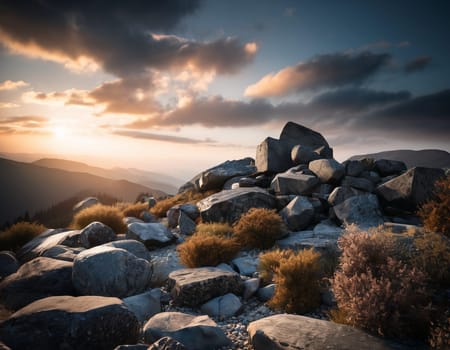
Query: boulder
(163, 266)
(228, 206)
(61, 252)
(194, 332)
(251, 286)
(144, 305)
(292, 332)
(8, 264)
(327, 229)
(109, 271)
(359, 183)
(167, 343)
(185, 224)
(342, 193)
(37, 279)
(152, 234)
(195, 286)
(132, 246)
(246, 265)
(363, 210)
(266, 293)
(65, 322)
(130, 219)
(354, 168)
(409, 190)
(386, 167)
(298, 214)
(302, 154)
(305, 240)
(294, 183)
(327, 170)
(72, 239)
(96, 234)
(273, 156)
(222, 307)
(85, 203)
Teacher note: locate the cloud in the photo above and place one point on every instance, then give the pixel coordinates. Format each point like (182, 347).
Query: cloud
(22, 124)
(159, 137)
(122, 38)
(417, 64)
(12, 85)
(322, 71)
(8, 105)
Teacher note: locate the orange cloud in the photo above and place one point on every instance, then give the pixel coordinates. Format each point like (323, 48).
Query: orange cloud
(12, 85)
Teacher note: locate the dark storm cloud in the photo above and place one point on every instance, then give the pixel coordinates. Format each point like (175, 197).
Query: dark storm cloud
(322, 71)
(119, 36)
(159, 137)
(418, 64)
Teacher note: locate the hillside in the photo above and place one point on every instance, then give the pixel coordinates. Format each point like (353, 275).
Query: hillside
(431, 158)
(150, 179)
(28, 187)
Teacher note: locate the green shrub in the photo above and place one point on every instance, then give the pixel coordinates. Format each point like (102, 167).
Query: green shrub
(207, 250)
(259, 228)
(298, 282)
(435, 213)
(375, 291)
(215, 229)
(19, 234)
(108, 215)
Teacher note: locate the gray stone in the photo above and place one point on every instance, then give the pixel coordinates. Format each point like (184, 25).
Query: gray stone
(251, 286)
(411, 189)
(228, 206)
(193, 287)
(194, 332)
(152, 234)
(302, 154)
(173, 214)
(131, 245)
(144, 305)
(354, 168)
(163, 266)
(293, 332)
(72, 239)
(327, 229)
(305, 240)
(185, 224)
(294, 183)
(327, 170)
(234, 180)
(37, 279)
(273, 156)
(85, 203)
(167, 343)
(222, 307)
(191, 210)
(266, 293)
(298, 214)
(342, 193)
(130, 219)
(284, 200)
(61, 252)
(96, 234)
(359, 183)
(226, 267)
(246, 265)
(8, 264)
(109, 271)
(65, 322)
(386, 167)
(363, 210)
(146, 216)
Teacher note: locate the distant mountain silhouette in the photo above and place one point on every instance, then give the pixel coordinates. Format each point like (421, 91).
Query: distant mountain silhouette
(431, 158)
(26, 187)
(150, 179)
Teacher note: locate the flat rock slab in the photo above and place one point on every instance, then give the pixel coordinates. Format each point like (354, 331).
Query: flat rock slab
(153, 234)
(223, 306)
(193, 287)
(229, 205)
(294, 183)
(194, 332)
(292, 332)
(64, 322)
(305, 240)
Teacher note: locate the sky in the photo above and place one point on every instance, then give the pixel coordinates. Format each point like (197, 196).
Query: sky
(179, 86)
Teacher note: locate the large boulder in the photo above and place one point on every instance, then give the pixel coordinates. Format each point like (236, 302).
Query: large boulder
(229, 205)
(215, 177)
(292, 332)
(298, 214)
(194, 332)
(273, 156)
(8, 264)
(301, 154)
(359, 183)
(96, 234)
(386, 167)
(294, 183)
(409, 190)
(109, 271)
(363, 210)
(342, 193)
(195, 286)
(65, 322)
(61, 252)
(144, 305)
(37, 279)
(327, 170)
(131, 245)
(153, 235)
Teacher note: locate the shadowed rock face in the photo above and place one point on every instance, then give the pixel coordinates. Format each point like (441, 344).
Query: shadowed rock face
(64, 322)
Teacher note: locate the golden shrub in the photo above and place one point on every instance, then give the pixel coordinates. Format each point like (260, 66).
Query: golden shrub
(108, 215)
(215, 228)
(269, 262)
(19, 234)
(259, 228)
(134, 209)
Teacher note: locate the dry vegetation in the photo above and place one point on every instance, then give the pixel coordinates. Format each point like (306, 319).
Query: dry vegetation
(19, 234)
(269, 262)
(259, 228)
(215, 228)
(108, 215)
(132, 209)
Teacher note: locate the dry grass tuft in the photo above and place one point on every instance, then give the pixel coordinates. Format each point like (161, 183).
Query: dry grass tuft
(108, 215)
(19, 234)
(270, 261)
(133, 209)
(215, 229)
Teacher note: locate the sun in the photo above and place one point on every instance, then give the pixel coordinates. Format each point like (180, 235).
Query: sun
(60, 132)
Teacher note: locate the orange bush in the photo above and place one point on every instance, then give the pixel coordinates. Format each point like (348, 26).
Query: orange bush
(18, 234)
(134, 209)
(108, 215)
